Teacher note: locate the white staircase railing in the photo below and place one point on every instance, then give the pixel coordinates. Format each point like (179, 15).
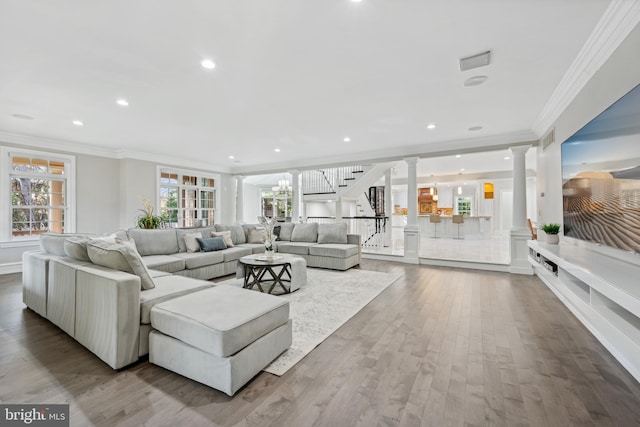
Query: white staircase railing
(329, 180)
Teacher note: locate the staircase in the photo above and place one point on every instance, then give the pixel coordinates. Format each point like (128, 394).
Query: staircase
(344, 182)
(349, 183)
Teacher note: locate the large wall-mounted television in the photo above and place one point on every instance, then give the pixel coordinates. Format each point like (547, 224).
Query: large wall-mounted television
(601, 178)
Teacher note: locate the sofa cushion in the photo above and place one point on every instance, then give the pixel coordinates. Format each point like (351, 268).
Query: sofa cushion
(237, 232)
(168, 263)
(221, 320)
(235, 253)
(167, 287)
(334, 250)
(332, 233)
(155, 242)
(286, 229)
(119, 256)
(226, 235)
(200, 259)
(190, 241)
(304, 232)
(256, 248)
(298, 248)
(53, 243)
(209, 244)
(76, 248)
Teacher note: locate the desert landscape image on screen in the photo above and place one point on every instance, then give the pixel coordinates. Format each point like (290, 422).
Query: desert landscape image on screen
(601, 177)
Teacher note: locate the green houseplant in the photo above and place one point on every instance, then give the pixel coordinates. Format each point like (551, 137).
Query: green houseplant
(551, 231)
(148, 219)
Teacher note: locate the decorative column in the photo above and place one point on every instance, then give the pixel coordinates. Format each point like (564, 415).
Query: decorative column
(519, 233)
(295, 194)
(412, 230)
(239, 198)
(388, 206)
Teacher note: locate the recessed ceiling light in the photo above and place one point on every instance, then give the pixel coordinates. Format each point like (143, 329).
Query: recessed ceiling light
(208, 64)
(507, 158)
(231, 157)
(458, 156)
(277, 150)
(78, 123)
(461, 169)
(475, 81)
(474, 128)
(22, 116)
(123, 102)
(431, 126)
(347, 139)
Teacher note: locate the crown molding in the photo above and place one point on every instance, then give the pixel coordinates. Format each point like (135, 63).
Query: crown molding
(172, 161)
(71, 147)
(436, 149)
(620, 18)
(59, 145)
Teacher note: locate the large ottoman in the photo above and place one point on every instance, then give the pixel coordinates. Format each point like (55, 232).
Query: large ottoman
(221, 336)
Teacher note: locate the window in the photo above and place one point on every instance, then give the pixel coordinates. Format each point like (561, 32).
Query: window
(186, 199)
(275, 204)
(38, 187)
(463, 205)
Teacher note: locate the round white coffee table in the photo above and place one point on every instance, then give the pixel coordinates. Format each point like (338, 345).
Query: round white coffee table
(268, 275)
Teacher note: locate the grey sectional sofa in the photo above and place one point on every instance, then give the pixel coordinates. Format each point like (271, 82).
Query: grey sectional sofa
(107, 307)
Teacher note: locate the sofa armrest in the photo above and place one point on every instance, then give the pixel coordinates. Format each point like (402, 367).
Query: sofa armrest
(353, 239)
(35, 276)
(108, 314)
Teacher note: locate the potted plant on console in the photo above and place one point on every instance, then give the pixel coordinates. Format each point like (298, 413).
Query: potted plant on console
(551, 231)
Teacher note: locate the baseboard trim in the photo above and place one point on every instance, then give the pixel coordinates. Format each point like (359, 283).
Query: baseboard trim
(10, 268)
(465, 264)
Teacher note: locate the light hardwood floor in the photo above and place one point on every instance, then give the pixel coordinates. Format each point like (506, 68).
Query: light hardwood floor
(438, 347)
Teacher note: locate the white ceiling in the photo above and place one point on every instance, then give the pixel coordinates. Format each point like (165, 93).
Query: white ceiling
(298, 75)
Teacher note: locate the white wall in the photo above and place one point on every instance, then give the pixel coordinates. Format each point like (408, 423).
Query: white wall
(320, 209)
(251, 203)
(614, 79)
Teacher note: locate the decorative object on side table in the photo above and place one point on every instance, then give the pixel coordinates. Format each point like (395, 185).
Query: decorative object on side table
(148, 220)
(270, 237)
(551, 231)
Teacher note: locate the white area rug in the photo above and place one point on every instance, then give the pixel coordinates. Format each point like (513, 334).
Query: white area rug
(326, 303)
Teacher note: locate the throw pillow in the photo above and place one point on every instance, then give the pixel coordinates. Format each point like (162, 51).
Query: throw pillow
(226, 235)
(332, 233)
(276, 232)
(191, 243)
(209, 244)
(53, 243)
(110, 238)
(128, 241)
(257, 235)
(76, 247)
(305, 233)
(119, 256)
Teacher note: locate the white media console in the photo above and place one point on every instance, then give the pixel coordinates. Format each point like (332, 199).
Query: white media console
(601, 291)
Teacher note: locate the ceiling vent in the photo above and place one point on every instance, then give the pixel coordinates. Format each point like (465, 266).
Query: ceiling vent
(475, 61)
